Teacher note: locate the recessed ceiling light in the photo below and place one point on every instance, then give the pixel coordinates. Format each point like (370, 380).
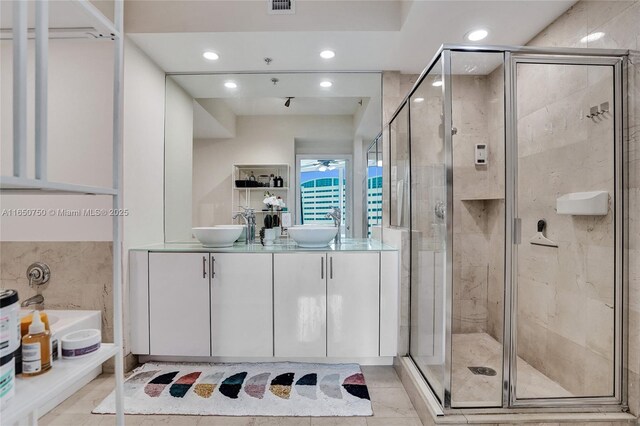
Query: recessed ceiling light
(477, 35)
(327, 54)
(230, 85)
(592, 37)
(418, 100)
(212, 56)
(326, 84)
(437, 83)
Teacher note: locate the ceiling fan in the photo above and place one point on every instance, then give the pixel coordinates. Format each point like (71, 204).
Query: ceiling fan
(324, 165)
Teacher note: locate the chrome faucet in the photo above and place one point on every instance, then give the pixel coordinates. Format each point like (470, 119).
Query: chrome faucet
(36, 301)
(249, 216)
(38, 274)
(336, 215)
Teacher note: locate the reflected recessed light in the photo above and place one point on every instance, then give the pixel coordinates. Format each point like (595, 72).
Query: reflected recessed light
(418, 100)
(476, 35)
(327, 54)
(212, 56)
(437, 83)
(230, 85)
(379, 163)
(592, 37)
(326, 84)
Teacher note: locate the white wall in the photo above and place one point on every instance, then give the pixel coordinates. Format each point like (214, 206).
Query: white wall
(143, 148)
(178, 167)
(80, 140)
(259, 139)
(143, 159)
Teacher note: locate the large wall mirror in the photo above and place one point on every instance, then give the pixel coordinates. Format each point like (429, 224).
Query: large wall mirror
(299, 136)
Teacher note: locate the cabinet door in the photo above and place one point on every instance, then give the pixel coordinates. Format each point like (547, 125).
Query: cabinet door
(300, 304)
(353, 289)
(179, 304)
(241, 304)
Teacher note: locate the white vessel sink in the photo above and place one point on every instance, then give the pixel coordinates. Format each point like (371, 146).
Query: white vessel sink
(218, 236)
(312, 235)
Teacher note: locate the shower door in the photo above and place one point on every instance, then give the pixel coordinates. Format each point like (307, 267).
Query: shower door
(565, 201)
(429, 197)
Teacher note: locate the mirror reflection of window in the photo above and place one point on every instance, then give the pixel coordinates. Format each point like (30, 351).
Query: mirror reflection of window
(323, 185)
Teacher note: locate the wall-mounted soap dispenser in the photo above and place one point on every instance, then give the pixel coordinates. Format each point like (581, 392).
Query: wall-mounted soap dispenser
(481, 154)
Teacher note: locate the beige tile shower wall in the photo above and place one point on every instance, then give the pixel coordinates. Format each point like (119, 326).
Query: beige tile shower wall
(565, 295)
(496, 214)
(478, 193)
(81, 275)
(620, 23)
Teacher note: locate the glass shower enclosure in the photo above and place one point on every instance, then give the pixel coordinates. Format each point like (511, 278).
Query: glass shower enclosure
(515, 170)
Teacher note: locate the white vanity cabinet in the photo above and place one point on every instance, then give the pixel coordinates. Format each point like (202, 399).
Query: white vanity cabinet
(254, 303)
(241, 304)
(327, 304)
(300, 304)
(179, 304)
(353, 304)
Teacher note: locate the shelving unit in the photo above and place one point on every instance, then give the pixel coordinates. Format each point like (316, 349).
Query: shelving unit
(35, 392)
(253, 197)
(62, 19)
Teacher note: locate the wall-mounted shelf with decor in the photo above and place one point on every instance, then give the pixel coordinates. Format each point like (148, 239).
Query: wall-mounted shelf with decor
(243, 195)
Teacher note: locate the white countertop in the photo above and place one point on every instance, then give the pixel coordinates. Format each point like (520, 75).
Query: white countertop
(283, 245)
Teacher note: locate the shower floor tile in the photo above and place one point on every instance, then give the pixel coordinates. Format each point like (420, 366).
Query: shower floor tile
(472, 390)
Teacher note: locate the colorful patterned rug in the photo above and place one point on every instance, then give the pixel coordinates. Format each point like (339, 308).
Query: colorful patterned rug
(244, 389)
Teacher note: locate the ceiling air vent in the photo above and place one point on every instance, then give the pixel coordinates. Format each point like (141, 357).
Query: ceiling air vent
(281, 7)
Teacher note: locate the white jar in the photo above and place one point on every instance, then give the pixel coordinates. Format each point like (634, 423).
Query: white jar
(7, 377)
(10, 335)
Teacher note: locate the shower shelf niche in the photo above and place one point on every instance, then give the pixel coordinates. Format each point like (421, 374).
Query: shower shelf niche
(483, 198)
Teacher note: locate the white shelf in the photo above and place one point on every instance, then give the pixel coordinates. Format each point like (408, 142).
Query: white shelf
(264, 212)
(483, 198)
(15, 184)
(592, 203)
(34, 392)
(67, 19)
(262, 188)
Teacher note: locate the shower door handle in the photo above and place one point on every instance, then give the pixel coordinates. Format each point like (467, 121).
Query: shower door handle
(517, 230)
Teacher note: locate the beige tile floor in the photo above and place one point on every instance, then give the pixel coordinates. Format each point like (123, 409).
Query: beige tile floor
(391, 407)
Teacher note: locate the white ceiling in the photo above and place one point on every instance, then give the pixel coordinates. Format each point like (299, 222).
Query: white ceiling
(297, 106)
(289, 84)
(383, 35)
(257, 95)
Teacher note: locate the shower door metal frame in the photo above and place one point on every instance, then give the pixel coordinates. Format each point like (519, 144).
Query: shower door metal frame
(584, 58)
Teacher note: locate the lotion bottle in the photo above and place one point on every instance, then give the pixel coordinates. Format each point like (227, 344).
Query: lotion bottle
(36, 348)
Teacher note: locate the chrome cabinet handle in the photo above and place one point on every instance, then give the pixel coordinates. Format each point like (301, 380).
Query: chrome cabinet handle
(322, 267)
(331, 267)
(204, 267)
(212, 273)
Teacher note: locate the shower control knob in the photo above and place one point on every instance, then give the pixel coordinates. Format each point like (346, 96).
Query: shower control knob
(38, 273)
